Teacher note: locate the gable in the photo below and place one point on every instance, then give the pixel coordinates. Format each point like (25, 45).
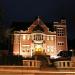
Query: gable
(38, 26)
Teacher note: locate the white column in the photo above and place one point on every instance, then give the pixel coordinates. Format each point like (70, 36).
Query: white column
(28, 63)
(66, 64)
(62, 64)
(32, 63)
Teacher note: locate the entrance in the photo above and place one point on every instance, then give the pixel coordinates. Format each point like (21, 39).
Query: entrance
(38, 49)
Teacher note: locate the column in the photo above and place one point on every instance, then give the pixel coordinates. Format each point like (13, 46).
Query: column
(61, 64)
(33, 63)
(66, 63)
(28, 63)
(58, 64)
(71, 64)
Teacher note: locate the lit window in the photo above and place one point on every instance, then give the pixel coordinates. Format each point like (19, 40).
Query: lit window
(51, 37)
(24, 37)
(28, 37)
(50, 49)
(25, 48)
(38, 48)
(38, 37)
(47, 37)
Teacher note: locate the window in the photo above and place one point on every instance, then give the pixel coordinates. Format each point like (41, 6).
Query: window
(28, 37)
(60, 32)
(47, 37)
(24, 37)
(25, 48)
(38, 37)
(50, 49)
(38, 47)
(51, 38)
(60, 43)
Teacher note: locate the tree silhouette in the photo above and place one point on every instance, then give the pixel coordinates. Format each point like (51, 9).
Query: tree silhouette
(2, 28)
(2, 15)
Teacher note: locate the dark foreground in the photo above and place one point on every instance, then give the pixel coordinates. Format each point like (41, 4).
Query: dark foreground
(22, 70)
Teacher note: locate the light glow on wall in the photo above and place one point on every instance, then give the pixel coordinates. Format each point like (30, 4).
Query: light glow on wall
(50, 49)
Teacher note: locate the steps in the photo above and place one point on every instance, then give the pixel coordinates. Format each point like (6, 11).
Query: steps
(45, 60)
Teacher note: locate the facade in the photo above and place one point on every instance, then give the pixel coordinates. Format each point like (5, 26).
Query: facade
(38, 39)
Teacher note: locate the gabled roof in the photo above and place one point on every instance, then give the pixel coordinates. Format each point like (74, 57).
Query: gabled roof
(38, 28)
(38, 25)
(38, 21)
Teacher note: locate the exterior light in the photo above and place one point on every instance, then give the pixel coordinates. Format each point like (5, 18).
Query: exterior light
(38, 48)
(55, 57)
(72, 52)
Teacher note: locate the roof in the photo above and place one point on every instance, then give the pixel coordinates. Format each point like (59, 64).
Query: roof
(21, 25)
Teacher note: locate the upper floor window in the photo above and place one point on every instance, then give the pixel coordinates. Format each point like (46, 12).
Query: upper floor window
(60, 43)
(38, 37)
(26, 37)
(50, 38)
(60, 32)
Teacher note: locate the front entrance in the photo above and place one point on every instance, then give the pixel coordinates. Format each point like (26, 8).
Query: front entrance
(38, 49)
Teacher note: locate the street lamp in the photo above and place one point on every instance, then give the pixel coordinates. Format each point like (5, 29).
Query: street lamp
(72, 51)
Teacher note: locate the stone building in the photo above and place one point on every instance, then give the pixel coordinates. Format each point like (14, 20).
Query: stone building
(38, 39)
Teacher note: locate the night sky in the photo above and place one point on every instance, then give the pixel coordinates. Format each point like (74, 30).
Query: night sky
(26, 10)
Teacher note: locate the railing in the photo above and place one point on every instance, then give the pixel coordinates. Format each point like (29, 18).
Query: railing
(63, 64)
(31, 63)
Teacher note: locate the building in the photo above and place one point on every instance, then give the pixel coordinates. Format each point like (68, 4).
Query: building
(38, 39)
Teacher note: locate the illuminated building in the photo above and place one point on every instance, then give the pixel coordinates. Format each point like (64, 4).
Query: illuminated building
(38, 39)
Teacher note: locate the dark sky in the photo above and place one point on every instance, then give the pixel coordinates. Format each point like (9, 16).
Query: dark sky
(50, 9)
